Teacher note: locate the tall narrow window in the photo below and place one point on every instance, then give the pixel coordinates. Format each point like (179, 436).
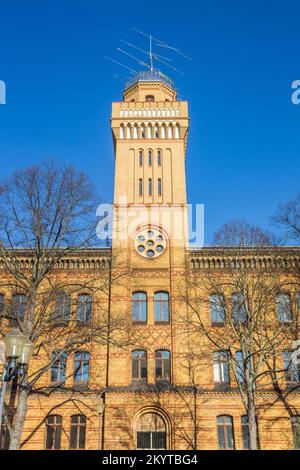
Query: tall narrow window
(159, 186)
(290, 367)
(158, 157)
(150, 186)
(239, 366)
(284, 308)
(296, 431)
(245, 432)
(162, 365)
(139, 364)
(62, 307)
(221, 370)
(161, 307)
(225, 432)
(53, 432)
(2, 303)
(58, 368)
(156, 132)
(121, 131)
(139, 307)
(143, 131)
(217, 308)
(177, 131)
(78, 431)
(128, 132)
(170, 131)
(140, 187)
(18, 306)
(238, 308)
(81, 366)
(84, 309)
(151, 432)
(135, 131)
(149, 157)
(140, 158)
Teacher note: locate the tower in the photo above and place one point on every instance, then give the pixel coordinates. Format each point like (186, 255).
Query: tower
(150, 128)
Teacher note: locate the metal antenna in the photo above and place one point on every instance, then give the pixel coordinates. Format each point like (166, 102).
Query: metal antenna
(168, 65)
(133, 72)
(143, 50)
(133, 57)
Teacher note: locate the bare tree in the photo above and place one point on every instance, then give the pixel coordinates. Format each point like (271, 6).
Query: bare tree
(288, 218)
(47, 217)
(244, 333)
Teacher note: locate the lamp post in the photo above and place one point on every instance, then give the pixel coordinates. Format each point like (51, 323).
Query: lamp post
(18, 352)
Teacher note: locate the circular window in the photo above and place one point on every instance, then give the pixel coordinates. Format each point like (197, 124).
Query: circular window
(150, 243)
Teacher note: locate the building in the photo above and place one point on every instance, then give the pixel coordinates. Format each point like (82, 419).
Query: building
(156, 385)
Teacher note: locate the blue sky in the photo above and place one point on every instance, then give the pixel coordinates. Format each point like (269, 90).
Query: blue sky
(243, 152)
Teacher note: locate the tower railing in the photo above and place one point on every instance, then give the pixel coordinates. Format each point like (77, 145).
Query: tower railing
(149, 76)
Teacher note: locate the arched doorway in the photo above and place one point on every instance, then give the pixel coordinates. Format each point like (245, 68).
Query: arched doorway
(151, 432)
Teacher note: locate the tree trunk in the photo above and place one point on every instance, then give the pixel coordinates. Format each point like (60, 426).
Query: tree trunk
(19, 419)
(253, 434)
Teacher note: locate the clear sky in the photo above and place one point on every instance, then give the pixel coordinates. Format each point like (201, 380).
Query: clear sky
(244, 139)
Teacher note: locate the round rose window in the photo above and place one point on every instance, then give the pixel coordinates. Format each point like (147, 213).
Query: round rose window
(150, 243)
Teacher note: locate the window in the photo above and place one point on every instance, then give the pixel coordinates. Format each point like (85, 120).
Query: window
(2, 303)
(58, 368)
(225, 432)
(135, 131)
(121, 131)
(139, 364)
(217, 309)
(158, 158)
(18, 306)
(150, 186)
(238, 308)
(139, 307)
(4, 435)
(140, 158)
(84, 309)
(239, 366)
(81, 366)
(156, 132)
(149, 98)
(149, 158)
(296, 431)
(63, 307)
(161, 307)
(290, 367)
(53, 432)
(177, 133)
(159, 186)
(162, 365)
(151, 432)
(143, 131)
(77, 434)
(245, 432)
(284, 309)
(221, 370)
(140, 187)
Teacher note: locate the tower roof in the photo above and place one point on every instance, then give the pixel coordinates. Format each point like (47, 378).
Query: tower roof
(149, 76)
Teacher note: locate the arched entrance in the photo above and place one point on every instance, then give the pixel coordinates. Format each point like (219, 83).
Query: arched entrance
(151, 431)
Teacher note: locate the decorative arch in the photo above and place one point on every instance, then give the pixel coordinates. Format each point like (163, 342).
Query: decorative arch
(152, 425)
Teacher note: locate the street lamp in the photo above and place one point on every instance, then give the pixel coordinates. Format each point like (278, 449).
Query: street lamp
(18, 352)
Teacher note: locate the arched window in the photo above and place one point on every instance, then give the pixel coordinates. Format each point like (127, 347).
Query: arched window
(177, 131)
(158, 157)
(162, 365)
(217, 308)
(128, 132)
(135, 132)
(221, 368)
(225, 432)
(62, 307)
(84, 308)
(18, 306)
(161, 307)
(121, 131)
(151, 432)
(53, 432)
(81, 366)
(156, 131)
(139, 307)
(140, 158)
(170, 131)
(159, 186)
(139, 364)
(140, 186)
(150, 157)
(149, 98)
(150, 186)
(163, 131)
(143, 131)
(238, 302)
(284, 308)
(78, 431)
(59, 366)
(149, 131)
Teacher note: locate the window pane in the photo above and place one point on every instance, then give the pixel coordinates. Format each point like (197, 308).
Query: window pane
(143, 440)
(245, 432)
(284, 307)
(239, 366)
(217, 308)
